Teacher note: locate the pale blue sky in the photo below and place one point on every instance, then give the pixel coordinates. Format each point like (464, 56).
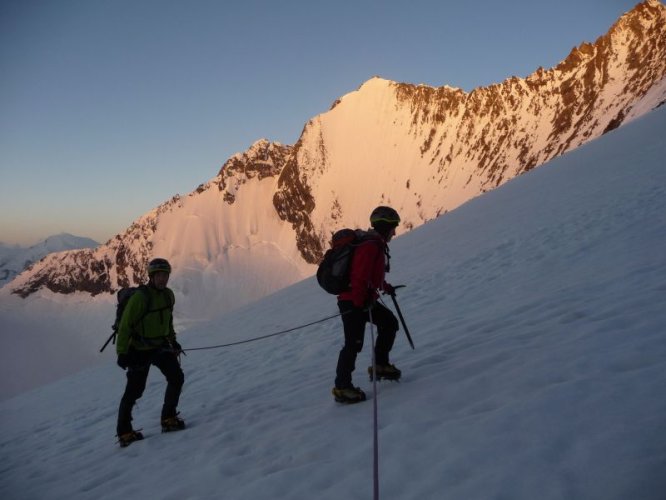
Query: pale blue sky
(108, 108)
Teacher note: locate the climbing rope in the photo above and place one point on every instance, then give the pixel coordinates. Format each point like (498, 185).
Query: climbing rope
(375, 432)
(264, 336)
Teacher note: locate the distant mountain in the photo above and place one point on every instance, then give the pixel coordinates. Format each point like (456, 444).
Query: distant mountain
(15, 259)
(265, 219)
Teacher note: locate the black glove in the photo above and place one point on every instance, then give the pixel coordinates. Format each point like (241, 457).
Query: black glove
(123, 360)
(127, 359)
(389, 289)
(175, 346)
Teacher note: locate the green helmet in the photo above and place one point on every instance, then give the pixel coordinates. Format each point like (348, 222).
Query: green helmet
(157, 265)
(384, 216)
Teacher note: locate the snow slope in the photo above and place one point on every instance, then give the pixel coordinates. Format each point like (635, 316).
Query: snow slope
(539, 370)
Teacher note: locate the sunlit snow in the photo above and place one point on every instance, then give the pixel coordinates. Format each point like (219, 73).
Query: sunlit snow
(538, 315)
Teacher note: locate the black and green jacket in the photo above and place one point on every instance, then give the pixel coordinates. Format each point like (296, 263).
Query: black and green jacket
(146, 324)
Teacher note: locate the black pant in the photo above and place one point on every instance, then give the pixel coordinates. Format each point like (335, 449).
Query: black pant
(353, 321)
(137, 374)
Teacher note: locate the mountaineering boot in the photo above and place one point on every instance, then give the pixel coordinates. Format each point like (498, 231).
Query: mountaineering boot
(348, 395)
(171, 424)
(129, 437)
(388, 372)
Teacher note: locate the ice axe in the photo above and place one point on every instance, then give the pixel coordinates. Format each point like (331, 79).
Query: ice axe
(112, 337)
(402, 319)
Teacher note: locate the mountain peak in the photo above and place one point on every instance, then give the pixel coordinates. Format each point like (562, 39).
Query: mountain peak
(423, 150)
(15, 259)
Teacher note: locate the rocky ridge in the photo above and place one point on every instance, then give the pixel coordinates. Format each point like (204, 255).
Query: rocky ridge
(474, 142)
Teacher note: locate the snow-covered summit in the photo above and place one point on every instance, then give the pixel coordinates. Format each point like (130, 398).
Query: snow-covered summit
(14, 259)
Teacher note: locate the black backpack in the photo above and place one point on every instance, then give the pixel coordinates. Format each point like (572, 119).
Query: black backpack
(123, 296)
(334, 270)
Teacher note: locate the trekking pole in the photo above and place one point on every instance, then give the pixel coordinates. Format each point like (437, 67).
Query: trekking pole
(111, 337)
(402, 320)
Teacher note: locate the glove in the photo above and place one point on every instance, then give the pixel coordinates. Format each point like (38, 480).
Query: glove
(175, 346)
(127, 359)
(123, 360)
(389, 289)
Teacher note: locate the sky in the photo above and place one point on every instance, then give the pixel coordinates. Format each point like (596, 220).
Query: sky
(108, 109)
(538, 371)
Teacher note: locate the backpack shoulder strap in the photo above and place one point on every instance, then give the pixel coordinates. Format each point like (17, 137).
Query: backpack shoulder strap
(143, 290)
(170, 298)
(364, 237)
(368, 237)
